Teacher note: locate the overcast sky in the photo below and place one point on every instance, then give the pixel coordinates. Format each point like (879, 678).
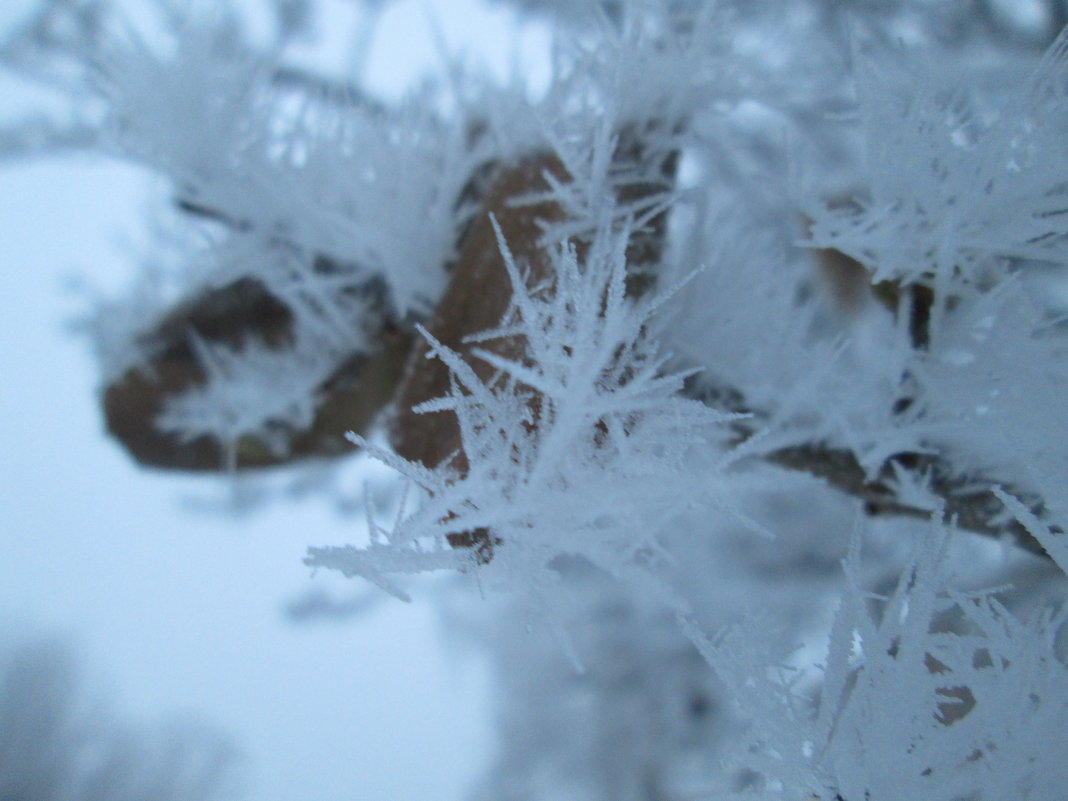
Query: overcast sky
(174, 612)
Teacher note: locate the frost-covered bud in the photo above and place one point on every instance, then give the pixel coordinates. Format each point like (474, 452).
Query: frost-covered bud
(235, 382)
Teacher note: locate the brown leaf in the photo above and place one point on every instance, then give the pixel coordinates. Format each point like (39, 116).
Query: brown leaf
(352, 396)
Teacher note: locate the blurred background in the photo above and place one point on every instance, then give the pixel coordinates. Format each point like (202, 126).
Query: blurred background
(171, 607)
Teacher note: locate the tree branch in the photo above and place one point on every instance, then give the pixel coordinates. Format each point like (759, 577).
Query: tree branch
(969, 501)
(400, 376)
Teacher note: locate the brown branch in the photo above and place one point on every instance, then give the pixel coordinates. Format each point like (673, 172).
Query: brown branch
(400, 376)
(969, 501)
(969, 507)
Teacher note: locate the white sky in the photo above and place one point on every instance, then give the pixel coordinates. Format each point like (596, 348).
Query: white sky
(174, 612)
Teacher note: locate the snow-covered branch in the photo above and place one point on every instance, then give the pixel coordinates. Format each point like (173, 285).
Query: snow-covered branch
(614, 331)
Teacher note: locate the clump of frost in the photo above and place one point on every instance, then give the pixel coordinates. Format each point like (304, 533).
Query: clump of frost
(963, 193)
(299, 172)
(637, 720)
(767, 340)
(190, 111)
(956, 178)
(346, 213)
(253, 391)
(616, 113)
(928, 693)
(582, 447)
(992, 396)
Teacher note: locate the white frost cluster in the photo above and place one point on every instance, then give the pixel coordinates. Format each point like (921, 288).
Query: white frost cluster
(311, 192)
(926, 693)
(255, 391)
(955, 177)
(581, 448)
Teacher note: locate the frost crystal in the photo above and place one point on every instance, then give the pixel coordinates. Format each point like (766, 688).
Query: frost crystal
(929, 693)
(582, 447)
